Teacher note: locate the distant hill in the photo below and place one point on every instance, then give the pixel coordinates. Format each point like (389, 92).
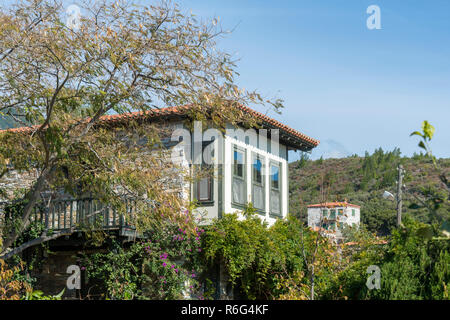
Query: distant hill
(329, 149)
(362, 181)
(6, 123)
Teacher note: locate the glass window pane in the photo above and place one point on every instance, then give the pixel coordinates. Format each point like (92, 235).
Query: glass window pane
(203, 189)
(274, 177)
(208, 153)
(238, 191)
(275, 202)
(238, 164)
(257, 171)
(258, 197)
(333, 214)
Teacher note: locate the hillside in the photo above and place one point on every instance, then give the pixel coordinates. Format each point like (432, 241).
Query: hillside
(362, 181)
(6, 123)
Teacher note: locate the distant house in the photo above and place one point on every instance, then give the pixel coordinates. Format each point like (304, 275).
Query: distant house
(331, 217)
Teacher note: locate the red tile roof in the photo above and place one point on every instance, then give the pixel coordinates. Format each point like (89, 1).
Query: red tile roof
(352, 243)
(183, 110)
(333, 205)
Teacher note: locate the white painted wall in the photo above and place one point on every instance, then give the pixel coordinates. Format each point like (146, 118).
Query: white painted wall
(223, 183)
(229, 143)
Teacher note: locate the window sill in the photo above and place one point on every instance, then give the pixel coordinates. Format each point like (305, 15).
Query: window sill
(205, 203)
(275, 215)
(239, 206)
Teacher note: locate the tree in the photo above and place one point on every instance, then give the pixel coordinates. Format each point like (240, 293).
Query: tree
(59, 79)
(431, 198)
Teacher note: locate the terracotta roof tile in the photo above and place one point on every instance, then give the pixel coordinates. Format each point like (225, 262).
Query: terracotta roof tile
(333, 205)
(182, 110)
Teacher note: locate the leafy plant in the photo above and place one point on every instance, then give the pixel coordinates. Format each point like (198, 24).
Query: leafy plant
(39, 295)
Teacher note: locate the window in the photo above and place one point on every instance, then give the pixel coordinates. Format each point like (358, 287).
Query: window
(275, 188)
(239, 190)
(341, 225)
(258, 182)
(204, 186)
(325, 213)
(340, 212)
(353, 212)
(333, 214)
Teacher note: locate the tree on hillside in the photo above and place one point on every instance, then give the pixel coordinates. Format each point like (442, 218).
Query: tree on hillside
(60, 73)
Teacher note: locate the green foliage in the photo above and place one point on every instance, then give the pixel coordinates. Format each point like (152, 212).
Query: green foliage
(260, 260)
(39, 295)
(304, 158)
(379, 169)
(436, 198)
(156, 268)
(12, 222)
(362, 181)
(414, 266)
(378, 215)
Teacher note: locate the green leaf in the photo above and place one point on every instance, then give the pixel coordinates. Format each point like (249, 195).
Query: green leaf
(428, 130)
(425, 232)
(59, 295)
(422, 145)
(416, 133)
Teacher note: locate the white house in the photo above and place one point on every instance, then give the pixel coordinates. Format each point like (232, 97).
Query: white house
(250, 166)
(331, 217)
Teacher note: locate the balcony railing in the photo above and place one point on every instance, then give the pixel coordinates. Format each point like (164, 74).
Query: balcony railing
(80, 214)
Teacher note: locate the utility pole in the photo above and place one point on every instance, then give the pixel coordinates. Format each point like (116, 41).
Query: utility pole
(399, 194)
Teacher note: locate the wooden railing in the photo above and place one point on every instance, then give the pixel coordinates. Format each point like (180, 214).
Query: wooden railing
(79, 214)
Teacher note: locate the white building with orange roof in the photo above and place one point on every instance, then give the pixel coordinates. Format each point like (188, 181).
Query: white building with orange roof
(333, 216)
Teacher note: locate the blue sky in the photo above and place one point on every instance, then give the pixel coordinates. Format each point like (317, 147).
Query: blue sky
(353, 88)
(343, 83)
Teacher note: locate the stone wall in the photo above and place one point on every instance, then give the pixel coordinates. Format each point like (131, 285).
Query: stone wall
(14, 181)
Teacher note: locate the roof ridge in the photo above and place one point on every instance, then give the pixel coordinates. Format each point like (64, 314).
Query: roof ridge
(180, 110)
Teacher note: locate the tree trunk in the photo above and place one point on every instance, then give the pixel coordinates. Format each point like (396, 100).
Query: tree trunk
(32, 197)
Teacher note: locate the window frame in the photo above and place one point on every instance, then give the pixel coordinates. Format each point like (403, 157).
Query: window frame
(279, 190)
(210, 201)
(256, 156)
(234, 204)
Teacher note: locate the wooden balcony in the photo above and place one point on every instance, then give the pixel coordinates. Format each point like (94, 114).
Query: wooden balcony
(81, 215)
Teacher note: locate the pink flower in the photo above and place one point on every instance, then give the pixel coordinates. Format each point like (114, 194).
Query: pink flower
(164, 264)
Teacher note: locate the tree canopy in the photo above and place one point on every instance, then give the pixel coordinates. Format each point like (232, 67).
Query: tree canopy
(61, 72)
